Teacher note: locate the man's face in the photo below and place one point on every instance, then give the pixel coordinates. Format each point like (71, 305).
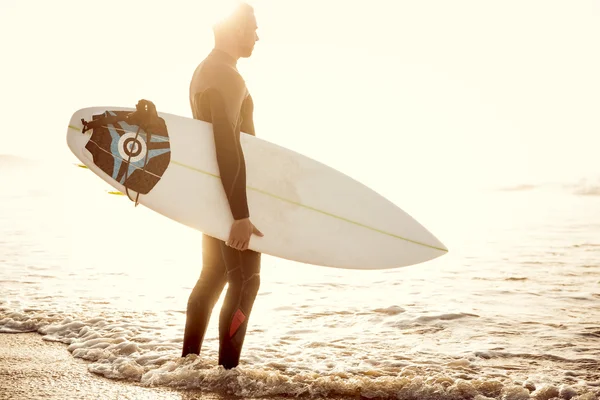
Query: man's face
(247, 36)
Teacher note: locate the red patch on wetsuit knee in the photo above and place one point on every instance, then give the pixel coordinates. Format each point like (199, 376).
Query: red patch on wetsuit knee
(238, 319)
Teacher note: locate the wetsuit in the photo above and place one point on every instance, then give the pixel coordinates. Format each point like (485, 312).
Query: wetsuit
(218, 94)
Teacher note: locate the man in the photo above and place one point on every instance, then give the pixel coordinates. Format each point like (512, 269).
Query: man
(218, 94)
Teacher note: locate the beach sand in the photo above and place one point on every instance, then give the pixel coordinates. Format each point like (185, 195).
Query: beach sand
(32, 368)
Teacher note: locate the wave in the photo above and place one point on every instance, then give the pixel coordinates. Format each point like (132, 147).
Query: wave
(588, 190)
(583, 187)
(115, 350)
(11, 158)
(518, 188)
(18, 164)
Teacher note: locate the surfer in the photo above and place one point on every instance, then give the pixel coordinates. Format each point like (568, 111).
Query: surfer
(218, 94)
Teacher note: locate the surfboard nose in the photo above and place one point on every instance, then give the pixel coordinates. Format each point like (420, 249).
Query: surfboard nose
(438, 244)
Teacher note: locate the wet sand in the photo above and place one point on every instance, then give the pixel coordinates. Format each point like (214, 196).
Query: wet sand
(32, 368)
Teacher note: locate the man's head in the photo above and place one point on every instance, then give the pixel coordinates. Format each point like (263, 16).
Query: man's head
(237, 31)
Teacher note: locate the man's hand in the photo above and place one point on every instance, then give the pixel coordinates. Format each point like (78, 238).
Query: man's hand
(239, 235)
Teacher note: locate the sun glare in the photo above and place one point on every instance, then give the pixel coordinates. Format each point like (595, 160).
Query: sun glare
(220, 10)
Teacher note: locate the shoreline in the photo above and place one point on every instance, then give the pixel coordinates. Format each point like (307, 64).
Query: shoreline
(32, 368)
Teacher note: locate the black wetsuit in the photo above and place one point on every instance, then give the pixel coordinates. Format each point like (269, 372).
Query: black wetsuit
(218, 94)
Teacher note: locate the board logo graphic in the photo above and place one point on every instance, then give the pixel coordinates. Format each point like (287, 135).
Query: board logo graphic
(131, 147)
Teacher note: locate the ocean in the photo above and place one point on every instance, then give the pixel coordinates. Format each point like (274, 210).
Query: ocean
(511, 312)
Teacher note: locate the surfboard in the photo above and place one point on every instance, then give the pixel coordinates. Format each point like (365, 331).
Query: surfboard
(308, 212)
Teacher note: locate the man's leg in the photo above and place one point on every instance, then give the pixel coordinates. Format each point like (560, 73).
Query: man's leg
(243, 276)
(204, 295)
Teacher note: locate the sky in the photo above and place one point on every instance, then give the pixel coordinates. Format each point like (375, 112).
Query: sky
(402, 94)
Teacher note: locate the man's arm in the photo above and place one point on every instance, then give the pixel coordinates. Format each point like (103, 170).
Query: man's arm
(230, 157)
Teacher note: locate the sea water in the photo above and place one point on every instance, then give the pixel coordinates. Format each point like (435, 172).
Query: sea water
(512, 312)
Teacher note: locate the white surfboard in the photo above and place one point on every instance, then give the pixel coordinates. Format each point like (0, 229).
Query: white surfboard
(308, 212)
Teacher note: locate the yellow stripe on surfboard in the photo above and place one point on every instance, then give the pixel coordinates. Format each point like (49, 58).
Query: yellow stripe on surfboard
(317, 210)
(296, 204)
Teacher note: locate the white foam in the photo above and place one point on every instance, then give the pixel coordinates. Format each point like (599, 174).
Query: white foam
(118, 368)
(20, 322)
(116, 352)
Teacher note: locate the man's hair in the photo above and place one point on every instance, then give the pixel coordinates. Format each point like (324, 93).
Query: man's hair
(236, 16)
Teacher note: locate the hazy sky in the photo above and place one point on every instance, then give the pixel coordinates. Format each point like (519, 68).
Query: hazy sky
(452, 93)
